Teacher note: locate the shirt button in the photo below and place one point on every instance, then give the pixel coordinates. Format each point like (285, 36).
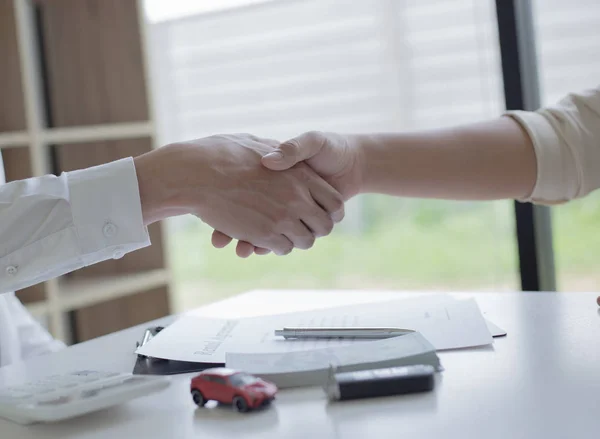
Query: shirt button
(118, 253)
(109, 230)
(11, 270)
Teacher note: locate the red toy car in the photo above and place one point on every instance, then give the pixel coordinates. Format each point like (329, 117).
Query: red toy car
(228, 386)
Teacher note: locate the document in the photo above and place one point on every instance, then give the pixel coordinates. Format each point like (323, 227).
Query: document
(446, 325)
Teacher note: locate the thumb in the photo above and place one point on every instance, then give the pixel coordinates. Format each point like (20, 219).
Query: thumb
(295, 150)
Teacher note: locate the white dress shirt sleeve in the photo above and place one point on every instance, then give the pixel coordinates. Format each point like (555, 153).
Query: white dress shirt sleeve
(52, 225)
(566, 139)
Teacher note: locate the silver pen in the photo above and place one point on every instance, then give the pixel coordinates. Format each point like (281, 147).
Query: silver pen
(341, 332)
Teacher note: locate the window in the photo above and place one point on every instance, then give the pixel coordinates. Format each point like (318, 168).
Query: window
(214, 379)
(279, 68)
(567, 45)
(242, 379)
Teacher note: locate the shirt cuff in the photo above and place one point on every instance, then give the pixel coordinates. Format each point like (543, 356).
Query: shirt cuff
(107, 211)
(552, 185)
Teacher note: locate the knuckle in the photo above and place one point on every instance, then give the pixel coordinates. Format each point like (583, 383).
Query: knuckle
(280, 217)
(282, 221)
(264, 232)
(304, 175)
(314, 136)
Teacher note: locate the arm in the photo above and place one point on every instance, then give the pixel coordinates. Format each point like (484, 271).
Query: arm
(483, 161)
(548, 156)
(52, 225)
(49, 225)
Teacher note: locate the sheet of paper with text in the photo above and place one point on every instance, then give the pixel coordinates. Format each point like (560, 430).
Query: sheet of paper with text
(446, 325)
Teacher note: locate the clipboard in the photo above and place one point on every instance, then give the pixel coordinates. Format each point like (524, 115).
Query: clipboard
(158, 366)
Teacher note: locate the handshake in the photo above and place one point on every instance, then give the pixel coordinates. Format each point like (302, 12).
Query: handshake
(270, 196)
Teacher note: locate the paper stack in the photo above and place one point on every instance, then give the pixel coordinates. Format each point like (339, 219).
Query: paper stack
(440, 322)
(311, 368)
(445, 323)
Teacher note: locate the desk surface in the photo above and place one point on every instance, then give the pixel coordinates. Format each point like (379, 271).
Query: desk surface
(541, 381)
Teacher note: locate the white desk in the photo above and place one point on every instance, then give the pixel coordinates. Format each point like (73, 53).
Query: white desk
(541, 381)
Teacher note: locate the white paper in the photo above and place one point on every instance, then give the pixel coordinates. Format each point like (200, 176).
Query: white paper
(494, 329)
(268, 302)
(447, 325)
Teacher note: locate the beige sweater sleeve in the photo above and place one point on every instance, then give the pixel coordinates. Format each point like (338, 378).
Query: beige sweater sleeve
(566, 139)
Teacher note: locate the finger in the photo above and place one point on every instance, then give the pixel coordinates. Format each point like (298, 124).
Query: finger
(244, 249)
(261, 251)
(301, 236)
(293, 151)
(318, 221)
(279, 244)
(220, 240)
(328, 198)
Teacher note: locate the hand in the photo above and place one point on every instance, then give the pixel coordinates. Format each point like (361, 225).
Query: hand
(220, 179)
(334, 157)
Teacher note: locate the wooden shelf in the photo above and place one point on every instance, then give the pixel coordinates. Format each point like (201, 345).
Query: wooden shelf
(85, 293)
(92, 133)
(14, 139)
(82, 293)
(12, 108)
(38, 309)
(94, 62)
(17, 164)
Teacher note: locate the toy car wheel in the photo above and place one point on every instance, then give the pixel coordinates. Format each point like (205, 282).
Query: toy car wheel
(198, 398)
(240, 404)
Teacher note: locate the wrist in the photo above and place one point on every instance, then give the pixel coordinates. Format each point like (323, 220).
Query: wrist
(364, 147)
(161, 196)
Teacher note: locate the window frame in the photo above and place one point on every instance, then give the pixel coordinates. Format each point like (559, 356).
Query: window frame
(516, 38)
